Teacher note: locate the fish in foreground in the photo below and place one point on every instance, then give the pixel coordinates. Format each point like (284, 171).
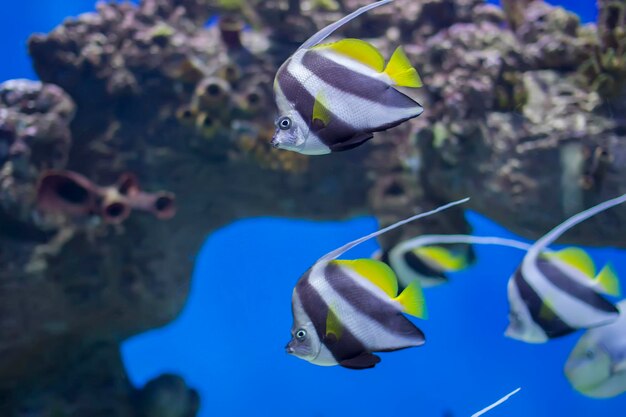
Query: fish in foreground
(597, 365)
(343, 310)
(556, 293)
(332, 97)
(424, 259)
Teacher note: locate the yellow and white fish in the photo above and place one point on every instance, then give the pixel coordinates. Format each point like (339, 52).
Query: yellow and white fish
(343, 311)
(597, 365)
(425, 259)
(332, 97)
(553, 294)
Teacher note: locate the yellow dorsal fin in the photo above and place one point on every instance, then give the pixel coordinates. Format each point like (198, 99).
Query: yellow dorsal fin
(607, 281)
(443, 258)
(320, 109)
(576, 258)
(378, 273)
(333, 325)
(359, 50)
(413, 301)
(400, 70)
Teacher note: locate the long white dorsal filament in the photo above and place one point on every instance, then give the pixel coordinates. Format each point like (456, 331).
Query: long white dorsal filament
(337, 252)
(328, 30)
(428, 240)
(555, 233)
(497, 403)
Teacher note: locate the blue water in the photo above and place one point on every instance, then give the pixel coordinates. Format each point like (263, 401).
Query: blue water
(229, 341)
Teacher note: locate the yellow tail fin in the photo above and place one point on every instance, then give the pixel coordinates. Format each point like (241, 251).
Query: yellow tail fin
(608, 282)
(413, 301)
(400, 70)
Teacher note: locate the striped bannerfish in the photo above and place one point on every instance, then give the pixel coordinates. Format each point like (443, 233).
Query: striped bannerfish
(556, 293)
(597, 365)
(332, 97)
(423, 258)
(345, 310)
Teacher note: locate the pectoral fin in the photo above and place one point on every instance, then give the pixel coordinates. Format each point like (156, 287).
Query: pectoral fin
(364, 361)
(321, 115)
(334, 329)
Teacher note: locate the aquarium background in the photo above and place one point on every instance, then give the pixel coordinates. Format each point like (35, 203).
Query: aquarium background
(228, 343)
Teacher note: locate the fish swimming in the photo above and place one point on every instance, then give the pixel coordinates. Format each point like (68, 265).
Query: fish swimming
(424, 259)
(332, 97)
(344, 310)
(597, 365)
(554, 294)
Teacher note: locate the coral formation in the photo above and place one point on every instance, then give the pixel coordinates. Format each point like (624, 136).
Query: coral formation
(524, 113)
(71, 194)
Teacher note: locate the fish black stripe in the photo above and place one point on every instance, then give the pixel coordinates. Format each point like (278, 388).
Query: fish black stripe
(551, 324)
(347, 346)
(355, 83)
(559, 279)
(369, 304)
(422, 268)
(335, 133)
(360, 85)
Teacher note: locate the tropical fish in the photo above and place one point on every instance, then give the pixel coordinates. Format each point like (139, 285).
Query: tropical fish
(597, 365)
(332, 97)
(554, 294)
(343, 310)
(423, 258)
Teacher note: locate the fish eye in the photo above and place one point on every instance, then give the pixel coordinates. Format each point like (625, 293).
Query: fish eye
(300, 335)
(589, 354)
(284, 123)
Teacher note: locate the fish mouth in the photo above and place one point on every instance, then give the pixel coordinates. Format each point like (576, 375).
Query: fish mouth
(289, 348)
(275, 143)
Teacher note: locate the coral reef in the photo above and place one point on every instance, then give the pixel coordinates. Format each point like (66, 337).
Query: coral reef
(524, 113)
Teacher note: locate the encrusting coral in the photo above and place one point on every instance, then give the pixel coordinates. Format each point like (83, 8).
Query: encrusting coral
(524, 113)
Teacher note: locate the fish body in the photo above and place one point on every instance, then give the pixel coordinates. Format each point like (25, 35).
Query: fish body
(425, 259)
(556, 293)
(409, 266)
(550, 298)
(344, 310)
(596, 367)
(346, 316)
(332, 97)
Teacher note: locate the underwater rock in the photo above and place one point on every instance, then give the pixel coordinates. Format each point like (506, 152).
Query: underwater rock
(508, 122)
(502, 116)
(74, 384)
(168, 396)
(34, 135)
(71, 194)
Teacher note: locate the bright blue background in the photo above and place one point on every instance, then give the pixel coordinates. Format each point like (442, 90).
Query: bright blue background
(229, 340)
